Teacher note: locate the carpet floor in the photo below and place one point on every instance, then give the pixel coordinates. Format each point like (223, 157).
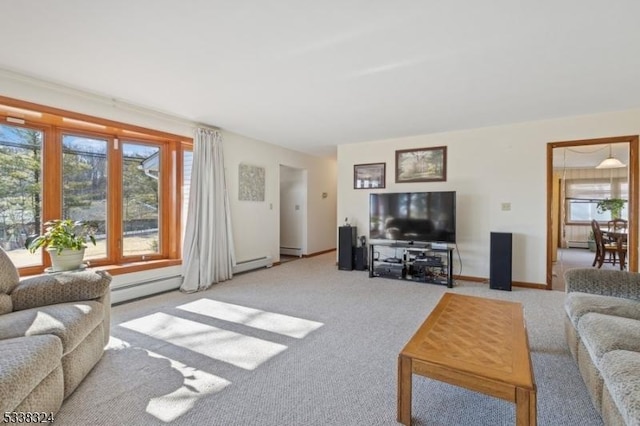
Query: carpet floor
(305, 344)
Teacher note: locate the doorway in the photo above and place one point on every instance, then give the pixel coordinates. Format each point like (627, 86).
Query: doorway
(293, 213)
(574, 187)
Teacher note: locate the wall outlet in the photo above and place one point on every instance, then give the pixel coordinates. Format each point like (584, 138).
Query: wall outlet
(506, 207)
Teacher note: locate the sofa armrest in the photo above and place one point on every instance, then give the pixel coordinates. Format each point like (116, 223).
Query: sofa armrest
(60, 288)
(605, 282)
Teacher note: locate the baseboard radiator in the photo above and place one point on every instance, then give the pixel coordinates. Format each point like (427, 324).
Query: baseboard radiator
(143, 288)
(577, 244)
(142, 284)
(291, 251)
(249, 265)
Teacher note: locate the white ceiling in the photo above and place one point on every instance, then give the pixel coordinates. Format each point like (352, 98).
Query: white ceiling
(310, 75)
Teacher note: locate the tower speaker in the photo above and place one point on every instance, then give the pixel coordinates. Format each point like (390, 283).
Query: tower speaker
(346, 247)
(361, 258)
(501, 261)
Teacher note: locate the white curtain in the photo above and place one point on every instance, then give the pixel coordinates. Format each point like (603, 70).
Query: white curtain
(208, 242)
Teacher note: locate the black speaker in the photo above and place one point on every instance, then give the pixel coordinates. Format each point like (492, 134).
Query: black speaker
(346, 247)
(501, 260)
(361, 258)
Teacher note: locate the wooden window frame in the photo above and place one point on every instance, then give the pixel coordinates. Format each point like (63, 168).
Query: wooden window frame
(171, 146)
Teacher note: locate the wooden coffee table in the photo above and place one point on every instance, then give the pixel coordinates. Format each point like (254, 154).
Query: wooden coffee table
(476, 343)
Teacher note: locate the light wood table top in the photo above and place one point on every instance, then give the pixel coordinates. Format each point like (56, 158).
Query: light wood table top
(476, 343)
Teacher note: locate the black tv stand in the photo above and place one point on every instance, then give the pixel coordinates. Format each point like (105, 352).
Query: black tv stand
(418, 262)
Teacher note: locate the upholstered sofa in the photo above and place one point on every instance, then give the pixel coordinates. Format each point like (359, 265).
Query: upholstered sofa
(602, 327)
(53, 330)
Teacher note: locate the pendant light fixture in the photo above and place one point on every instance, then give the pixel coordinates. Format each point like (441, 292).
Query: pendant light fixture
(610, 162)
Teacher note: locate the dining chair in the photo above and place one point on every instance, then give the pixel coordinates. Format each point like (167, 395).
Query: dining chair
(617, 233)
(606, 251)
(617, 225)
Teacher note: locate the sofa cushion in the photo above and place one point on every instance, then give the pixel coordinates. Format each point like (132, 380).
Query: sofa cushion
(621, 374)
(577, 304)
(70, 322)
(605, 333)
(65, 287)
(8, 275)
(24, 363)
(6, 305)
(607, 282)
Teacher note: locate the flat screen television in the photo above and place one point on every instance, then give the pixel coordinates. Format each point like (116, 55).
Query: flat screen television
(413, 216)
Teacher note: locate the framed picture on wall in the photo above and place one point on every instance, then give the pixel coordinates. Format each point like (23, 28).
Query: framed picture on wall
(421, 165)
(369, 176)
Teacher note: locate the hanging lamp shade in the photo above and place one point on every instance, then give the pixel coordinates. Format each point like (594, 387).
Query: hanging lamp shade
(610, 162)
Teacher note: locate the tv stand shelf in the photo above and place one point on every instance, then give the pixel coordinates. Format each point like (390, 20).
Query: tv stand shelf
(415, 262)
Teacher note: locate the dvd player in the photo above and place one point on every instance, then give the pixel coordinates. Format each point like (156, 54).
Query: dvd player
(390, 270)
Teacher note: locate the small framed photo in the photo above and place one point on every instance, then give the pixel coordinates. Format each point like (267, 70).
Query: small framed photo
(369, 176)
(421, 165)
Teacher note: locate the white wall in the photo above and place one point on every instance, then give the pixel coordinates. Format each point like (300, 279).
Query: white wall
(486, 167)
(256, 225)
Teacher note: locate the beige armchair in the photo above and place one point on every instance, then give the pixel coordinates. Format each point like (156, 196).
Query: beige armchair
(53, 329)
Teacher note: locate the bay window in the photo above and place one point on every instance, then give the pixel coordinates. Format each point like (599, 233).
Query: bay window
(125, 182)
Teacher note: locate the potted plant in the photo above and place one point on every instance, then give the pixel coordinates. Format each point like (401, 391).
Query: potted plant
(614, 205)
(65, 240)
(591, 242)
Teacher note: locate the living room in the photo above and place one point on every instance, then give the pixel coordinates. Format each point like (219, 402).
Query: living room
(495, 122)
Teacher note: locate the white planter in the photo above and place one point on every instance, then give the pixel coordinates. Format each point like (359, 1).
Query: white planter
(67, 260)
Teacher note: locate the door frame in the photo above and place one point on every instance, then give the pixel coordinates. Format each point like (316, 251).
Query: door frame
(632, 202)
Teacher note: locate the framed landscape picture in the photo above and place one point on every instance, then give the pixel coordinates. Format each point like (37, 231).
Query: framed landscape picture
(421, 165)
(369, 176)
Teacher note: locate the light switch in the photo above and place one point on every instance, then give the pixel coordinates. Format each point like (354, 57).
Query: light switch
(506, 207)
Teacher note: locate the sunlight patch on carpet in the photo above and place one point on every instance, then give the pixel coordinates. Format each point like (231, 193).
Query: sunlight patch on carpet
(223, 345)
(255, 318)
(197, 384)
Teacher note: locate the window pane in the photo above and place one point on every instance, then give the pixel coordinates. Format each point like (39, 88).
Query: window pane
(140, 199)
(583, 196)
(20, 191)
(586, 211)
(84, 187)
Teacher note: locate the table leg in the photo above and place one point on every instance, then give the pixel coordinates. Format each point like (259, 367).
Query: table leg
(526, 410)
(404, 390)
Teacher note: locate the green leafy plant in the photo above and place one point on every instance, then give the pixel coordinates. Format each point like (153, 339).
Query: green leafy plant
(63, 234)
(591, 242)
(614, 205)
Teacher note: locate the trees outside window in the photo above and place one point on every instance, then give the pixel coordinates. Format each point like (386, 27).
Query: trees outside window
(20, 190)
(84, 187)
(140, 199)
